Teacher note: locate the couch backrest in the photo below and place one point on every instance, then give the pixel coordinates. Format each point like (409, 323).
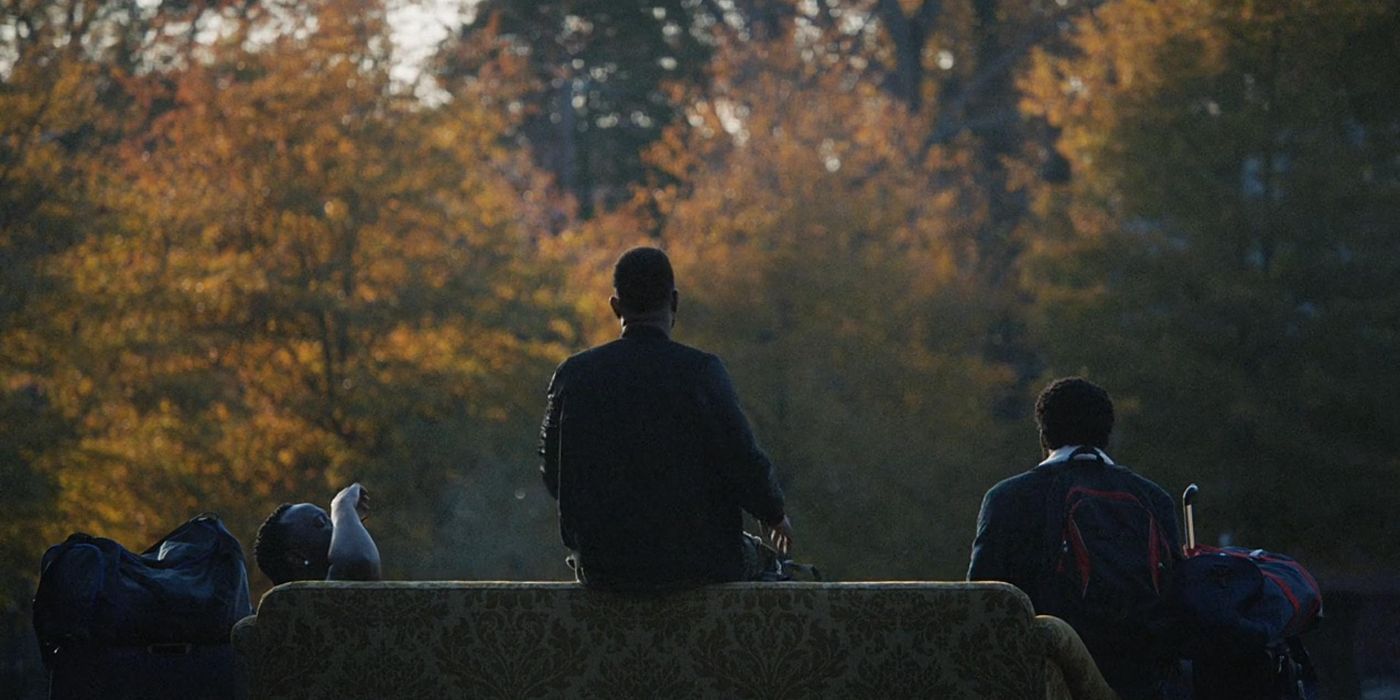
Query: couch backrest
(498, 640)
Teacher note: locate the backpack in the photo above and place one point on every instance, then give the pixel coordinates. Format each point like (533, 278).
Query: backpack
(188, 588)
(1109, 559)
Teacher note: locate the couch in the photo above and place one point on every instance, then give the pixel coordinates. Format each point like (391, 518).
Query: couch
(743, 640)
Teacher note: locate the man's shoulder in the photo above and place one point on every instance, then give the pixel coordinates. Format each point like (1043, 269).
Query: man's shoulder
(620, 350)
(705, 360)
(1149, 487)
(591, 355)
(1144, 481)
(680, 355)
(1124, 477)
(1027, 482)
(690, 351)
(1122, 472)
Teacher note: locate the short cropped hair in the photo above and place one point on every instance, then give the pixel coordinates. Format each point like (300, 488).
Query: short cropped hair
(270, 548)
(643, 279)
(1074, 411)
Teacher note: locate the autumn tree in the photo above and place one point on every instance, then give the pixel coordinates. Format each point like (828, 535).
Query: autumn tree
(317, 279)
(69, 77)
(1223, 256)
(814, 253)
(599, 72)
(42, 101)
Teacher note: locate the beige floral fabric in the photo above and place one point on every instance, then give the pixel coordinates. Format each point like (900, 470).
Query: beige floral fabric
(530, 640)
(1070, 670)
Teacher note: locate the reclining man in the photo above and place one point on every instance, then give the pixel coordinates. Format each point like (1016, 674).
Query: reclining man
(649, 455)
(301, 543)
(1088, 540)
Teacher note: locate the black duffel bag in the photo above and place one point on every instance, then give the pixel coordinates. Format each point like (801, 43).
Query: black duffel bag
(1240, 616)
(1235, 599)
(189, 588)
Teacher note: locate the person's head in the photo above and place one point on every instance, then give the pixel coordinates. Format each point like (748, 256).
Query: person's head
(1073, 411)
(644, 287)
(294, 543)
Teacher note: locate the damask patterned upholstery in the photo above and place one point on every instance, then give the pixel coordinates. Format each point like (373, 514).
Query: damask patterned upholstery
(1070, 670)
(789, 640)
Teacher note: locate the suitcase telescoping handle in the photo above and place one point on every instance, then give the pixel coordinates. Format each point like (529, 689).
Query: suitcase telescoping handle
(1188, 498)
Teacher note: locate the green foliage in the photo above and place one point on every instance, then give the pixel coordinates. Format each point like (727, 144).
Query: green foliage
(817, 256)
(1224, 256)
(601, 71)
(28, 429)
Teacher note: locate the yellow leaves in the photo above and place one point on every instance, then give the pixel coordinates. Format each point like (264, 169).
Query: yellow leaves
(57, 95)
(562, 328)
(1126, 50)
(335, 210)
(286, 458)
(324, 242)
(223, 146)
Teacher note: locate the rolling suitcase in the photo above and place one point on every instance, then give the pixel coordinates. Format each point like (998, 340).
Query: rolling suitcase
(115, 624)
(1242, 613)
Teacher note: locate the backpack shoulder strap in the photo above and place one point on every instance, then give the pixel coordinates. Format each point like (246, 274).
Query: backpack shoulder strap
(1060, 476)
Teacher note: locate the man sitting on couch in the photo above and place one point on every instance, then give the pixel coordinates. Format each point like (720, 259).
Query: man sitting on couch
(650, 456)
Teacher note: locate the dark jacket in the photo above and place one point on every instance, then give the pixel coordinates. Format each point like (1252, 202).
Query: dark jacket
(1012, 545)
(651, 459)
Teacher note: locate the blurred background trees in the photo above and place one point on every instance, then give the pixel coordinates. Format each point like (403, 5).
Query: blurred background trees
(824, 257)
(242, 263)
(1224, 255)
(599, 72)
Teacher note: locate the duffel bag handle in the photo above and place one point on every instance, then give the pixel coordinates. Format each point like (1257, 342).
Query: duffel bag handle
(1188, 498)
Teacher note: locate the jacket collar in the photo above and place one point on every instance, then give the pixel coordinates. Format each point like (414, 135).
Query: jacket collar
(644, 330)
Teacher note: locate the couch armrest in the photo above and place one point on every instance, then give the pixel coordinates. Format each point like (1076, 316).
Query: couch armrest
(246, 651)
(245, 636)
(1071, 668)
